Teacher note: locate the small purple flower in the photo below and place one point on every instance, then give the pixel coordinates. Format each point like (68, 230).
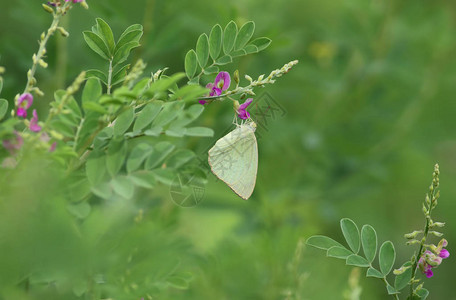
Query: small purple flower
(444, 253)
(23, 103)
(242, 112)
(12, 145)
(34, 122)
(222, 83)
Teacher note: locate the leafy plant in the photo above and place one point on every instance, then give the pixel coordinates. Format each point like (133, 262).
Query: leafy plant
(367, 238)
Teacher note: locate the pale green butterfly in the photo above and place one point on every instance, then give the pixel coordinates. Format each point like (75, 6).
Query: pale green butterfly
(234, 159)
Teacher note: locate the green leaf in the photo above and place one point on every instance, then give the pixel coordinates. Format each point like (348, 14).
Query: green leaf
(251, 49)
(97, 44)
(391, 290)
(169, 112)
(130, 36)
(165, 176)
(351, 234)
(147, 115)
(1, 84)
(386, 257)
(79, 210)
(190, 63)
(129, 29)
(177, 283)
(211, 70)
(202, 50)
(92, 90)
(138, 155)
(123, 121)
(105, 33)
(103, 191)
(95, 168)
(229, 36)
(422, 293)
(115, 157)
(199, 131)
(98, 75)
(372, 272)
(369, 242)
(322, 242)
(179, 158)
(261, 43)
(224, 60)
(356, 260)
(338, 252)
(145, 179)
(123, 186)
(244, 35)
(403, 279)
(3, 108)
(236, 53)
(215, 41)
(161, 151)
(123, 52)
(95, 107)
(176, 131)
(119, 76)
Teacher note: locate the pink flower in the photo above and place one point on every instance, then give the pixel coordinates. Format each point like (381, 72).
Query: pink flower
(222, 83)
(242, 112)
(12, 145)
(23, 103)
(34, 122)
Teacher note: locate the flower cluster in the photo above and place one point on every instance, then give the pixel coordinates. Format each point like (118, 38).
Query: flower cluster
(23, 104)
(432, 259)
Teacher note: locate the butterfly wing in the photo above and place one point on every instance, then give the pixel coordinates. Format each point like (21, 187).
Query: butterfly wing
(234, 159)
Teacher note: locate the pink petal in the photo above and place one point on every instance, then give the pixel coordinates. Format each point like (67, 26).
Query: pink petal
(21, 112)
(225, 76)
(27, 98)
(246, 103)
(444, 253)
(34, 122)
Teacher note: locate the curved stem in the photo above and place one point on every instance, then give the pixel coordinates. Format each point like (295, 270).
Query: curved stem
(109, 77)
(42, 49)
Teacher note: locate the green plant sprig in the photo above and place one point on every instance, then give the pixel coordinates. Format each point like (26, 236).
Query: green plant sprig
(38, 57)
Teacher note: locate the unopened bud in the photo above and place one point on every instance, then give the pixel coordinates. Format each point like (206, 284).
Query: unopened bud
(48, 8)
(43, 63)
(63, 32)
(436, 233)
(428, 200)
(2, 70)
(56, 135)
(38, 92)
(248, 78)
(236, 76)
(34, 58)
(401, 270)
(413, 242)
(413, 234)
(438, 224)
(43, 35)
(84, 5)
(260, 77)
(236, 105)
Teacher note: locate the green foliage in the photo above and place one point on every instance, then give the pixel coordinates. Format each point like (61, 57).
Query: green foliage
(233, 43)
(3, 108)
(368, 239)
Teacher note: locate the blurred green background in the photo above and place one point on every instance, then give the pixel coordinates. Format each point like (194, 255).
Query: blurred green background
(369, 110)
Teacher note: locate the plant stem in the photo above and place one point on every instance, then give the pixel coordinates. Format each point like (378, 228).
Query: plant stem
(109, 77)
(42, 49)
(432, 194)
